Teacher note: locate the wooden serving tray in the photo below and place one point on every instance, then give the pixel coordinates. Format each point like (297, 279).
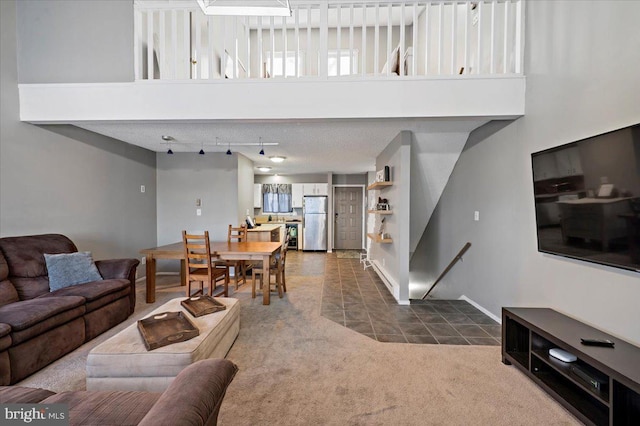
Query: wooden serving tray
(202, 305)
(166, 328)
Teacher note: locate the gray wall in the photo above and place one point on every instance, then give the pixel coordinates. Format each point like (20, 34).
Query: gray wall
(581, 81)
(245, 188)
(185, 177)
(303, 178)
(75, 41)
(394, 258)
(62, 179)
(352, 179)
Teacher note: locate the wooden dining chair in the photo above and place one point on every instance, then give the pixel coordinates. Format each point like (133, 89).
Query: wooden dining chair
(199, 266)
(276, 269)
(238, 234)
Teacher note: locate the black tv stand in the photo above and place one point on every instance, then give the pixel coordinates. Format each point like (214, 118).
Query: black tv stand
(613, 399)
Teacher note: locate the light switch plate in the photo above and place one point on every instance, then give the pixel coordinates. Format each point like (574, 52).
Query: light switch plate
(476, 215)
(142, 188)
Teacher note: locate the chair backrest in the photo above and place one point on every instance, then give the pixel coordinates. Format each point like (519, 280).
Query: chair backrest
(197, 251)
(237, 234)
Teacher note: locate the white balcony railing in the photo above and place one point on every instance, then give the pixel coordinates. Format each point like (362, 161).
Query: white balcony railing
(330, 39)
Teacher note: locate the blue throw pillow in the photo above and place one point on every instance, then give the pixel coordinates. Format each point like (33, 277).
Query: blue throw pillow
(67, 269)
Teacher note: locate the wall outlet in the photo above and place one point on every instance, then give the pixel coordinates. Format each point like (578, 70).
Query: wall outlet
(476, 215)
(604, 180)
(198, 212)
(143, 261)
(142, 188)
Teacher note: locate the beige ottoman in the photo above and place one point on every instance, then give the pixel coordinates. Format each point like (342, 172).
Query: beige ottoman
(123, 363)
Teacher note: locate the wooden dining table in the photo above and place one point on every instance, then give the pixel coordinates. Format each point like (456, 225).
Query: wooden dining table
(246, 250)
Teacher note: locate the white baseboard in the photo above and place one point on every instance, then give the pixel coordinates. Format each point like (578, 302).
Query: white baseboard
(480, 308)
(391, 284)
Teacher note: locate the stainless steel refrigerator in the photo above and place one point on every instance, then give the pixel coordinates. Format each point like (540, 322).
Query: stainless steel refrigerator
(314, 233)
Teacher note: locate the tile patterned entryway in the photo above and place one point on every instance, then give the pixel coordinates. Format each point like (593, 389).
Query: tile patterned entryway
(359, 300)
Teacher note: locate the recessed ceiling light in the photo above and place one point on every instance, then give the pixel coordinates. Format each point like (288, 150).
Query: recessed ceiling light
(167, 138)
(277, 159)
(264, 169)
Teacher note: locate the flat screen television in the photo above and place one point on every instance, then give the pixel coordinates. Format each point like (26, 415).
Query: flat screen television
(587, 199)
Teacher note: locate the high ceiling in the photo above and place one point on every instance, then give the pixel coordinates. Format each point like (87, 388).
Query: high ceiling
(310, 146)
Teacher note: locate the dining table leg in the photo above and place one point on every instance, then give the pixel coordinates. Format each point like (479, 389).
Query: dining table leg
(266, 276)
(183, 272)
(151, 279)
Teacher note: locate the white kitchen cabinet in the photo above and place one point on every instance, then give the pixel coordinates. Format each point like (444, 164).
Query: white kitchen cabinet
(545, 167)
(568, 162)
(257, 195)
(297, 192)
(316, 189)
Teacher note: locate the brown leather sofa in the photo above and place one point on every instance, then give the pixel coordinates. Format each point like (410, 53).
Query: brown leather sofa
(37, 326)
(192, 399)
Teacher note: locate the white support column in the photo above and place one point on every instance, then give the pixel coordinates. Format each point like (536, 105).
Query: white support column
(137, 45)
(162, 49)
(467, 12)
(323, 42)
(414, 48)
(351, 61)
(519, 27)
(174, 43)
(283, 30)
(389, 38)
(272, 45)
(297, 36)
(479, 53)
(150, 75)
(440, 37)
(402, 42)
(198, 50)
(492, 56)
(338, 37)
(427, 39)
(261, 67)
(211, 47)
(454, 41)
(505, 52)
(376, 42)
(363, 56)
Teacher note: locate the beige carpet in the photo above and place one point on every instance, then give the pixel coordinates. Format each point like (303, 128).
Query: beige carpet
(298, 368)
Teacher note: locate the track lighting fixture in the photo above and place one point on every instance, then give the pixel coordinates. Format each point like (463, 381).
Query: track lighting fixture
(201, 148)
(170, 151)
(229, 149)
(261, 147)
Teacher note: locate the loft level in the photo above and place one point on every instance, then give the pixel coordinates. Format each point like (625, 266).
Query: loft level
(335, 40)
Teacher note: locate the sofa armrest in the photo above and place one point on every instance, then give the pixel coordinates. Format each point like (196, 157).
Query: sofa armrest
(195, 395)
(121, 269)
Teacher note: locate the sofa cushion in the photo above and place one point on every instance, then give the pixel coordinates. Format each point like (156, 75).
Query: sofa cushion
(22, 395)
(67, 269)
(25, 258)
(8, 293)
(4, 268)
(92, 291)
(25, 254)
(105, 408)
(31, 318)
(5, 338)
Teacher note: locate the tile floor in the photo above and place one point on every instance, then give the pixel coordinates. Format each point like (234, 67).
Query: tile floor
(359, 300)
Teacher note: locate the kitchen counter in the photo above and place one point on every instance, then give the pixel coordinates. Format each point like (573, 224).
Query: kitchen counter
(266, 232)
